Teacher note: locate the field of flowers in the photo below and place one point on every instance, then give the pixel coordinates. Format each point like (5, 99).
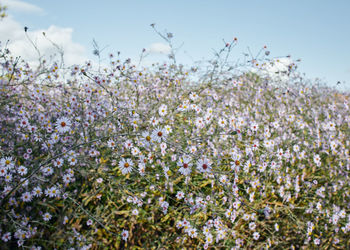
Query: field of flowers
(166, 157)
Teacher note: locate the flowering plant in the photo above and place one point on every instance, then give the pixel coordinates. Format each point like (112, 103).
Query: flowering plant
(162, 157)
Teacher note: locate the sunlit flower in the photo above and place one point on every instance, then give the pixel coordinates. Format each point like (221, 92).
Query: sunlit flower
(203, 165)
(163, 110)
(126, 165)
(159, 134)
(185, 165)
(63, 125)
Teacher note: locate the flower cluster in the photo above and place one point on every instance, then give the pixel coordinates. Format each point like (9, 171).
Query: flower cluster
(124, 156)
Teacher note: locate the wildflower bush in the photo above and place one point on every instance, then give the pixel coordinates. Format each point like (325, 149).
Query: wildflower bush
(166, 157)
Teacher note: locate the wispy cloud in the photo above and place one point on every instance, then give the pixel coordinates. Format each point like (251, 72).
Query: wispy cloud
(159, 48)
(20, 6)
(19, 45)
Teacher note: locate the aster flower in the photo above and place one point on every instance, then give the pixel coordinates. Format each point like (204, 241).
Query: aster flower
(26, 197)
(63, 125)
(135, 212)
(159, 134)
(22, 170)
(67, 178)
(163, 110)
(7, 162)
(6, 237)
(125, 165)
(111, 143)
(37, 192)
(72, 161)
(168, 129)
(203, 165)
(135, 151)
(193, 96)
(185, 165)
(8, 177)
(47, 171)
(125, 235)
(180, 195)
(58, 162)
(3, 171)
(52, 192)
(222, 122)
(256, 236)
(47, 217)
(192, 232)
(65, 220)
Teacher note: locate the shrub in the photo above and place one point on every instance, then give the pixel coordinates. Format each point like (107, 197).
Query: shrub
(170, 158)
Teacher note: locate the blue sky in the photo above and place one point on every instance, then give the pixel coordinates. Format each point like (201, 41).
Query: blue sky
(317, 32)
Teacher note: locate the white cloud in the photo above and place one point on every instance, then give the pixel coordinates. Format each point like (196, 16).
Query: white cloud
(20, 6)
(159, 48)
(277, 69)
(19, 45)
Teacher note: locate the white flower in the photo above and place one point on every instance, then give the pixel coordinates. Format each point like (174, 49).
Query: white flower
(72, 161)
(154, 121)
(254, 126)
(111, 143)
(6, 237)
(180, 195)
(159, 134)
(37, 192)
(125, 165)
(26, 197)
(193, 96)
(168, 129)
(125, 235)
(252, 226)
(222, 122)
(192, 233)
(8, 178)
(52, 192)
(3, 171)
(317, 241)
(296, 148)
(203, 165)
(185, 165)
(47, 171)
(163, 110)
(193, 149)
(47, 217)
(65, 220)
(58, 162)
(317, 159)
(22, 170)
(63, 125)
(67, 178)
(7, 162)
(199, 122)
(256, 235)
(54, 138)
(135, 151)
